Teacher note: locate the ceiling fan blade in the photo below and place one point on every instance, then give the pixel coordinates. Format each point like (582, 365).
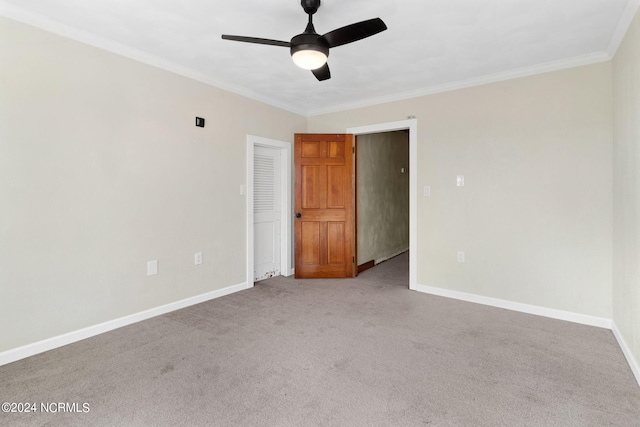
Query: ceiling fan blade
(354, 32)
(256, 40)
(322, 73)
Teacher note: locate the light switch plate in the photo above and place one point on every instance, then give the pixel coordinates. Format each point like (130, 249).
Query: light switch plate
(427, 191)
(152, 267)
(197, 258)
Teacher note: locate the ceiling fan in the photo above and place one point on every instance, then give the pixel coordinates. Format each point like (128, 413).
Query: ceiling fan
(310, 50)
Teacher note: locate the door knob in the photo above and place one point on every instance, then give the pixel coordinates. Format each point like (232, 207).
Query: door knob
(298, 215)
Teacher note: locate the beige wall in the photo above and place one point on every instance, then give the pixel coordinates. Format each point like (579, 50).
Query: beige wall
(103, 169)
(535, 216)
(626, 200)
(383, 195)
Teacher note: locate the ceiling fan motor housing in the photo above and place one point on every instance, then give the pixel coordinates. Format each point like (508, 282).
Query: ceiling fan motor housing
(308, 41)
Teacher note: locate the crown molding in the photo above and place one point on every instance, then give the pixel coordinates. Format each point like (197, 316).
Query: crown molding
(47, 24)
(622, 27)
(546, 67)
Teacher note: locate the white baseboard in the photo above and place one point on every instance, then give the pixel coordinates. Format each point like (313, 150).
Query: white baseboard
(516, 306)
(71, 337)
(633, 363)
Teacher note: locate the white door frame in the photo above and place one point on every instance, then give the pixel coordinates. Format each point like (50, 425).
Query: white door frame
(285, 200)
(412, 126)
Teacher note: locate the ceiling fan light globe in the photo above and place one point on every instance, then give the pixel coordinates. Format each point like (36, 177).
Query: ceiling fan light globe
(309, 59)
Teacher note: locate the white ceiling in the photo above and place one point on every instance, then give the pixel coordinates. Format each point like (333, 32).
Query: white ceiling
(430, 46)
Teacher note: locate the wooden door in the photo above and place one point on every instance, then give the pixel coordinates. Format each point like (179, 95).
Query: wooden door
(324, 206)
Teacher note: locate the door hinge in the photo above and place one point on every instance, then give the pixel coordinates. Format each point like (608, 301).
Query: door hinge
(353, 150)
(353, 259)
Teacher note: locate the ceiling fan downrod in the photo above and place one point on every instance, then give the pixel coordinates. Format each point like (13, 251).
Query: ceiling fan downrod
(308, 49)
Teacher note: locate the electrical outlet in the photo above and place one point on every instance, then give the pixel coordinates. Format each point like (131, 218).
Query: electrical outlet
(460, 180)
(197, 258)
(460, 256)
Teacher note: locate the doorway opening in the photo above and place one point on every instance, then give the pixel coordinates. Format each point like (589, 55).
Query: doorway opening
(382, 197)
(411, 126)
(268, 192)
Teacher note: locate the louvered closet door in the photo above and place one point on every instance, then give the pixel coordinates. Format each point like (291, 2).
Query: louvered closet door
(266, 213)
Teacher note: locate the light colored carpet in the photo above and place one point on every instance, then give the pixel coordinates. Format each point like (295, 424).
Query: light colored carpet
(355, 352)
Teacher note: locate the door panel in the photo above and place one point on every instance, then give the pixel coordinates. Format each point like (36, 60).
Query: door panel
(335, 186)
(336, 150)
(310, 235)
(311, 149)
(324, 206)
(311, 187)
(335, 241)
